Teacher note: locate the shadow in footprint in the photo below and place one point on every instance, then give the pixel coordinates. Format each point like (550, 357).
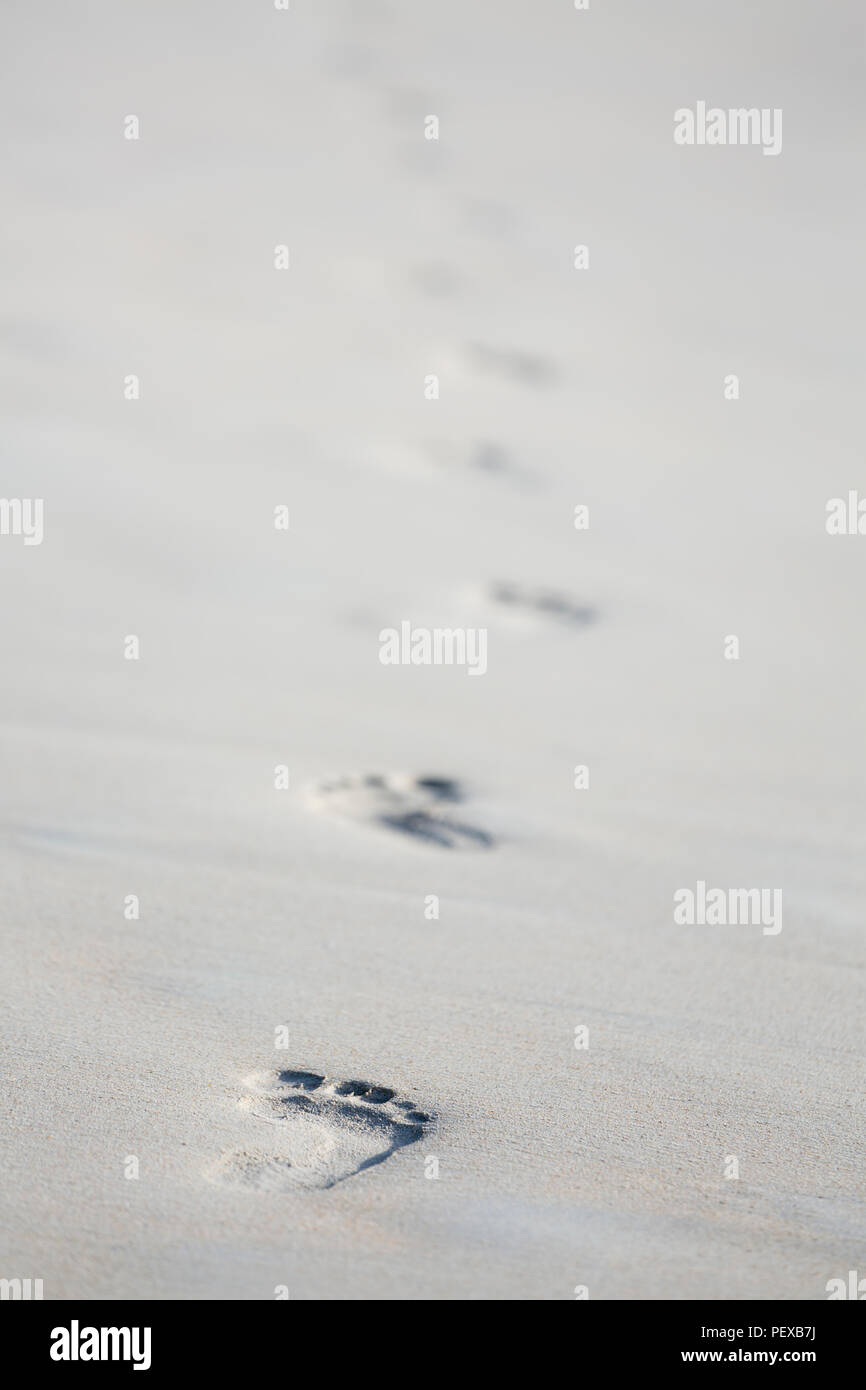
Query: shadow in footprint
(438, 830)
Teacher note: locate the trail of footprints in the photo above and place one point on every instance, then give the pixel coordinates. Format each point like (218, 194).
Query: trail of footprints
(423, 807)
(323, 1131)
(326, 1130)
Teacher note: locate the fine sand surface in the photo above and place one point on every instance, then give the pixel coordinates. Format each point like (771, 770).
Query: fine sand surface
(156, 1042)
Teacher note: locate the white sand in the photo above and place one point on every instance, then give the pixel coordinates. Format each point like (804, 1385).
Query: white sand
(259, 910)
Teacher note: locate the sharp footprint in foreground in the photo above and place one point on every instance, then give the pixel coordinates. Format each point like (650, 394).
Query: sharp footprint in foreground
(421, 807)
(323, 1131)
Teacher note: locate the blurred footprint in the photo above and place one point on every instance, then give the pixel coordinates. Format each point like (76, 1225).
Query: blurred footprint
(437, 279)
(527, 368)
(515, 601)
(511, 365)
(413, 805)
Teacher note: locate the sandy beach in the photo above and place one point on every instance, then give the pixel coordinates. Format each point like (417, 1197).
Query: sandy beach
(363, 979)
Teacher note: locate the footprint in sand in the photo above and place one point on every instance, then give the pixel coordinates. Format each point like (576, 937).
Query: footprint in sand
(421, 807)
(425, 458)
(471, 363)
(524, 604)
(529, 369)
(323, 1131)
